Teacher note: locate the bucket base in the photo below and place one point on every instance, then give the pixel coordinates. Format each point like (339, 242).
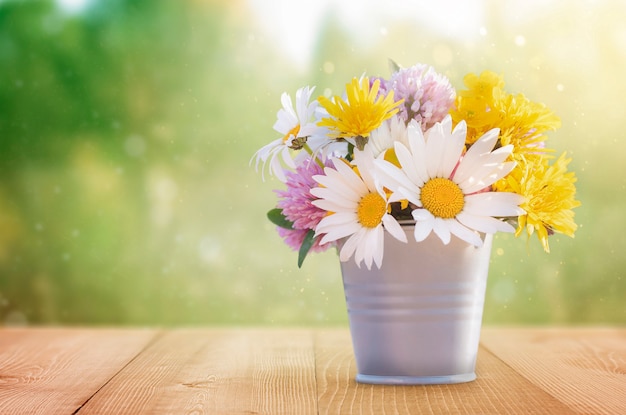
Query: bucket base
(415, 380)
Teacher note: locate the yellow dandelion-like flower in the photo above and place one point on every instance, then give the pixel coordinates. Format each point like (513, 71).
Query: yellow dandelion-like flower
(486, 105)
(524, 123)
(549, 194)
(482, 85)
(364, 111)
(477, 105)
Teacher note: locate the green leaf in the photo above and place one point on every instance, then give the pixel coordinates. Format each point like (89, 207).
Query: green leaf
(309, 239)
(277, 218)
(394, 66)
(350, 154)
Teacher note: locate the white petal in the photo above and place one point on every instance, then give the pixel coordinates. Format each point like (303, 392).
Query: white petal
(359, 253)
(435, 145)
(378, 254)
(348, 248)
(422, 214)
(454, 149)
(484, 224)
(285, 100)
(371, 248)
(471, 171)
(446, 123)
(408, 164)
(500, 154)
(286, 117)
(395, 197)
(485, 176)
(336, 192)
(392, 226)
(337, 228)
(330, 205)
(410, 195)
(339, 232)
(379, 247)
(334, 181)
(441, 229)
(365, 163)
(285, 123)
(395, 180)
(337, 219)
(307, 130)
(476, 158)
(303, 95)
(390, 176)
(417, 145)
(484, 144)
(423, 227)
(464, 233)
(267, 154)
(350, 178)
(276, 168)
(341, 222)
(500, 204)
(287, 158)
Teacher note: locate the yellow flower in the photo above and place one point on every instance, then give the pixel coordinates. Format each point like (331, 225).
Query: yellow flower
(486, 105)
(524, 123)
(485, 83)
(477, 105)
(364, 111)
(549, 194)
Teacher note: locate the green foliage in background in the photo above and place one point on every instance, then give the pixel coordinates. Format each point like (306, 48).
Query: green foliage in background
(126, 196)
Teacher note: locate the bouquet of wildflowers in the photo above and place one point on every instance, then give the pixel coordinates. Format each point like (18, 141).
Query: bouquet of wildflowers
(412, 151)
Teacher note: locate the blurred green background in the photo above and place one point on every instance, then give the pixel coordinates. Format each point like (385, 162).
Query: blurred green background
(126, 128)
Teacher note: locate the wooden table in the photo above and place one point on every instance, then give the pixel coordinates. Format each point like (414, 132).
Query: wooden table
(79, 371)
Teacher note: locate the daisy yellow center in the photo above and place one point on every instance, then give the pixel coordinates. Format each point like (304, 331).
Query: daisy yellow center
(372, 207)
(293, 132)
(442, 197)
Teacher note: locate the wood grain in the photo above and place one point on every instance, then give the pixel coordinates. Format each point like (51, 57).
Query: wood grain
(585, 368)
(297, 371)
(55, 371)
(219, 371)
(498, 389)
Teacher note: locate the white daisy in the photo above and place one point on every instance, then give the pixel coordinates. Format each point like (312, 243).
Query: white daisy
(321, 145)
(358, 210)
(296, 126)
(451, 190)
(382, 139)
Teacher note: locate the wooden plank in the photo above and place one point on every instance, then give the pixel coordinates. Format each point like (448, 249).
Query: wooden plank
(56, 370)
(498, 389)
(585, 368)
(216, 371)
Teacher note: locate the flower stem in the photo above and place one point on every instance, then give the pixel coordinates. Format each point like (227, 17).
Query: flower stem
(317, 160)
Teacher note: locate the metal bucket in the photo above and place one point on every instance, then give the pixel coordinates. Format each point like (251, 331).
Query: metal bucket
(417, 319)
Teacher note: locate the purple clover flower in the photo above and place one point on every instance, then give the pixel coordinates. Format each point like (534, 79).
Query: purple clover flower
(428, 96)
(296, 205)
